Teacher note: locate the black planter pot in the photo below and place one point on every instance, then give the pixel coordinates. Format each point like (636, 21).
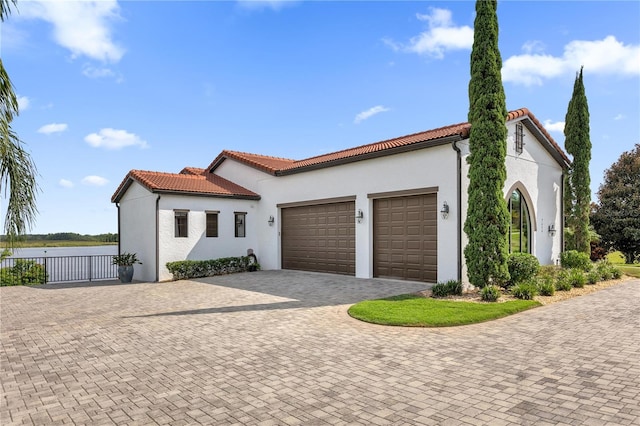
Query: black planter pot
(125, 273)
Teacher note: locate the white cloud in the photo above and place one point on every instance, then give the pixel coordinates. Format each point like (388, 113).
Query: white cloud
(265, 4)
(441, 36)
(83, 27)
(619, 117)
(114, 139)
(94, 181)
(557, 126)
(93, 72)
(65, 183)
(23, 103)
(48, 129)
(369, 113)
(606, 57)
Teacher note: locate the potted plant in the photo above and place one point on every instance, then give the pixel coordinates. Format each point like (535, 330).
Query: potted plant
(125, 262)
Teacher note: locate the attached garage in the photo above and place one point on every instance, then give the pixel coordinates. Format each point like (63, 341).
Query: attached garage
(405, 237)
(319, 237)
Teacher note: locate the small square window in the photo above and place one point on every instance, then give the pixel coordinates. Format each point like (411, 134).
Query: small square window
(212, 224)
(519, 138)
(181, 224)
(240, 224)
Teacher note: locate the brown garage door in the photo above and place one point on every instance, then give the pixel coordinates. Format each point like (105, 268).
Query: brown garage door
(320, 238)
(405, 238)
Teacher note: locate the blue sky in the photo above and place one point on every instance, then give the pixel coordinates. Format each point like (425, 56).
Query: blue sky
(109, 86)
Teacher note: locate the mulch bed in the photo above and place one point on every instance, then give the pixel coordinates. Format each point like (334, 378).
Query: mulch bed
(474, 295)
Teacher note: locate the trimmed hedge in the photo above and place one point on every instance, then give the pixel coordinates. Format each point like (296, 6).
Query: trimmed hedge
(185, 269)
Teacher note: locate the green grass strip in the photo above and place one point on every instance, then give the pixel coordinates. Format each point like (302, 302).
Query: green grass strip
(631, 270)
(415, 311)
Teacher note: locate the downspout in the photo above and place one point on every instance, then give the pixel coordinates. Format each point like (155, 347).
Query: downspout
(459, 208)
(158, 238)
(561, 230)
(118, 207)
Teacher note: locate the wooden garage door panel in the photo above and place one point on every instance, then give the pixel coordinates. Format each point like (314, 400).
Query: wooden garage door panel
(405, 237)
(319, 238)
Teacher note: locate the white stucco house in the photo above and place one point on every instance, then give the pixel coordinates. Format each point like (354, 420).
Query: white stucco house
(394, 208)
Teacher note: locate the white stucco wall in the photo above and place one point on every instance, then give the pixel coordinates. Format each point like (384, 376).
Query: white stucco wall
(412, 170)
(536, 173)
(197, 246)
(137, 229)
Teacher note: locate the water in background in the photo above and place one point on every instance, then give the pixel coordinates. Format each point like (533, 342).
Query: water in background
(65, 264)
(65, 251)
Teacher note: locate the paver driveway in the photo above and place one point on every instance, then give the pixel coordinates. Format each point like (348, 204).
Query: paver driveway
(278, 348)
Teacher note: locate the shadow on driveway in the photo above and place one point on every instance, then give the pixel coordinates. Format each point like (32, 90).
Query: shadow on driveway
(302, 289)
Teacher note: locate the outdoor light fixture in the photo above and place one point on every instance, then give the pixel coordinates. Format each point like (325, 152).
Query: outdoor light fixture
(445, 210)
(552, 229)
(360, 215)
(271, 220)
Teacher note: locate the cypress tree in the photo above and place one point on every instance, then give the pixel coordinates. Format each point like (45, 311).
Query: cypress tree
(487, 222)
(578, 144)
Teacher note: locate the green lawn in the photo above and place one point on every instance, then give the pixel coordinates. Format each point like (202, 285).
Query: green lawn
(631, 270)
(416, 311)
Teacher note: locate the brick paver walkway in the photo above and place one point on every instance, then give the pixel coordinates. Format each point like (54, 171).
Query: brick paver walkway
(278, 348)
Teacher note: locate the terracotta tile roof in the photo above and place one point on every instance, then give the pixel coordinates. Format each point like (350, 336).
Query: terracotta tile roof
(461, 129)
(264, 163)
(275, 165)
(208, 184)
(192, 171)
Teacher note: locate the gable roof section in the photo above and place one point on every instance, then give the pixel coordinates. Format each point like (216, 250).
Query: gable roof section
(263, 163)
(192, 171)
(535, 127)
(283, 166)
(184, 183)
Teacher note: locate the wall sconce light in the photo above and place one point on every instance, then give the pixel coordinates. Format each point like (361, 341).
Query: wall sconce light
(359, 215)
(552, 229)
(271, 220)
(445, 210)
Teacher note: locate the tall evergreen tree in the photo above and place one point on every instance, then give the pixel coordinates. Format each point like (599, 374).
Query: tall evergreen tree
(578, 144)
(487, 222)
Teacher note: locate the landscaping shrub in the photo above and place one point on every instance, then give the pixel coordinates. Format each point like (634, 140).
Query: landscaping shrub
(522, 267)
(562, 281)
(549, 271)
(593, 276)
(573, 259)
(490, 293)
(577, 278)
(185, 269)
(615, 272)
(545, 286)
(23, 272)
(451, 287)
(606, 270)
(525, 290)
